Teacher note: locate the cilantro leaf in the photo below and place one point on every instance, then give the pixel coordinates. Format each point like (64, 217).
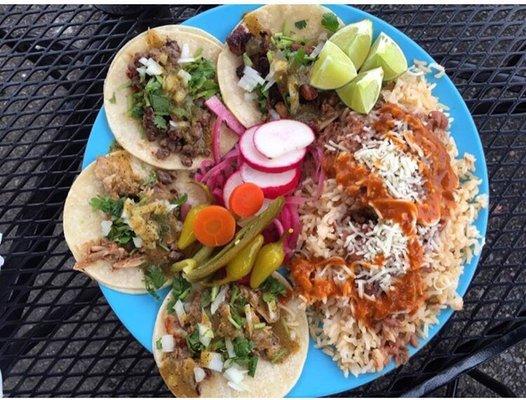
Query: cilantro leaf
(108, 205)
(137, 104)
(180, 200)
(242, 346)
(160, 122)
(301, 58)
(180, 287)
(160, 103)
(330, 22)
(272, 289)
(120, 232)
(202, 83)
(262, 97)
(153, 279)
(193, 343)
(158, 344)
(301, 24)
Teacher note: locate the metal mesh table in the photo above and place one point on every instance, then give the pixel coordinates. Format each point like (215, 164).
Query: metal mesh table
(58, 336)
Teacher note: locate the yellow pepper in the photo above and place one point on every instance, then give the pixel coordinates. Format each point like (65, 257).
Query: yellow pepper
(187, 237)
(269, 259)
(243, 262)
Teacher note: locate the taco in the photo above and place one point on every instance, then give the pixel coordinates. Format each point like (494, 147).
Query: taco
(154, 97)
(230, 341)
(122, 219)
(264, 67)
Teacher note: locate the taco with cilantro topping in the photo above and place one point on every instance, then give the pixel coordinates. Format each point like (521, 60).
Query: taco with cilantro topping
(155, 94)
(264, 68)
(230, 340)
(122, 219)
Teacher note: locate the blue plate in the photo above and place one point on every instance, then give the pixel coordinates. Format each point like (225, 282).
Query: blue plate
(320, 377)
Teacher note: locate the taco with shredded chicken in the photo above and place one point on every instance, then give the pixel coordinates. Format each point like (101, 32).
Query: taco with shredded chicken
(155, 94)
(264, 67)
(230, 340)
(122, 220)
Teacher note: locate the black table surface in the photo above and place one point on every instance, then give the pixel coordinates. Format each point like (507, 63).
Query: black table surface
(59, 337)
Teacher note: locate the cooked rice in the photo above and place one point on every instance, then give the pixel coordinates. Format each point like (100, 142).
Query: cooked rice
(354, 346)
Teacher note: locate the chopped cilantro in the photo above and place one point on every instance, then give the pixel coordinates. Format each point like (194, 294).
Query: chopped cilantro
(158, 344)
(152, 86)
(160, 122)
(244, 354)
(120, 232)
(180, 113)
(108, 205)
(193, 343)
(218, 345)
(153, 279)
(160, 103)
(330, 22)
(151, 179)
(206, 298)
(301, 58)
(262, 97)
(272, 289)
(202, 83)
(180, 200)
(137, 104)
(242, 346)
(180, 287)
(113, 100)
(301, 24)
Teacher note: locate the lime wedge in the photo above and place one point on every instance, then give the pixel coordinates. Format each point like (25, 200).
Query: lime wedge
(387, 54)
(362, 92)
(332, 69)
(355, 40)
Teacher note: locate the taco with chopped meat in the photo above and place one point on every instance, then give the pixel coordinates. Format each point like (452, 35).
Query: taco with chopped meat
(230, 340)
(122, 219)
(155, 93)
(264, 67)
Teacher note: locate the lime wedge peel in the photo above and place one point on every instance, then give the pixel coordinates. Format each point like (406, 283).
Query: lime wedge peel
(355, 40)
(333, 68)
(386, 53)
(362, 93)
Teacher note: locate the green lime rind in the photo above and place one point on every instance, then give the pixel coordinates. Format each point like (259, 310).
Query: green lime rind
(362, 93)
(387, 54)
(333, 68)
(355, 41)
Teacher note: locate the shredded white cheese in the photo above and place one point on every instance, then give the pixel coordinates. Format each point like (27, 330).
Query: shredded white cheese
(398, 170)
(370, 240)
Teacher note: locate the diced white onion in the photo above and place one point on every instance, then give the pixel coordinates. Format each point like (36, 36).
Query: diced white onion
(185, 55)
(247, 83)
(214, 361)
(185, 76)
(185, 50)
(205, 334)
(270, 75)
(179, 124)
(317, 50)
(220, 298)
(167, 343)
(152, 67)
(137, 241)
(235, 374)
(180, 312)
(199, 374)
(105, 227)
(230, 348)
(251, 72)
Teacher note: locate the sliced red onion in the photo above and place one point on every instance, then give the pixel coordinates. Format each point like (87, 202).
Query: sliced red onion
(218, 108)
